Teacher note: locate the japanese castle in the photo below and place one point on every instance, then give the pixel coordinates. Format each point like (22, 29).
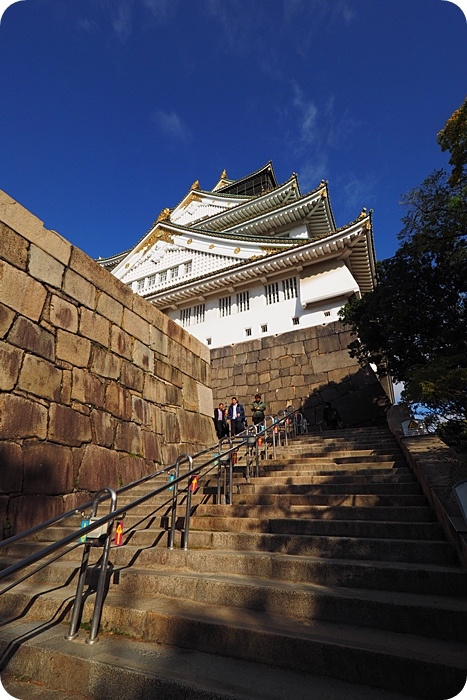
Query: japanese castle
(250, 258)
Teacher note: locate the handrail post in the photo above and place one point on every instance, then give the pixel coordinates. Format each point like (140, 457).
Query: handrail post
(188, 512)
(73, 630)
(175, 496)
(96, 618)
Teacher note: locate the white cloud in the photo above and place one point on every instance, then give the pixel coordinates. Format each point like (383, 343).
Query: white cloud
(171, 124)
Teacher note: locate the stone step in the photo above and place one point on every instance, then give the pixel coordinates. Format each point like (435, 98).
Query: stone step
(438, 552)
(330, 528)
(409, 663)
(300, 485)
(119, 668)
(366, 500)
(398, 514)
(382, 476)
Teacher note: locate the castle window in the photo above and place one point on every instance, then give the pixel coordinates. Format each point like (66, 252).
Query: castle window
(199, 313)
(327, 313)
(152, 280)
(188, 267)
(185, 317)
(247, 332)
(208, 341)
(163, 277)
(140, 285)
(243, 301)
(225, 306)
(289, 287)
(264, 328)
(173, 272)
(295, 321)
(272, 293)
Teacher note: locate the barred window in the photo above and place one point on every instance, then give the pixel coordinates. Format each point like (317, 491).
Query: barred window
(289, 287)
(152, 280)
(247, 332)
(295, 321)
(173, 273)
(243, 301)
(264, 328)
(199, 313)
(140, 285)
(185, 317)
(225, 306)
(272, 293)
(163, 276)
(188, 267)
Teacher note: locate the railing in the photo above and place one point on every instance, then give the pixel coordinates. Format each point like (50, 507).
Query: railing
(97, 531)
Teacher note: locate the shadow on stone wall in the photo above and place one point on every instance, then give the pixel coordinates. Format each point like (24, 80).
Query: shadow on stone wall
(359, 403)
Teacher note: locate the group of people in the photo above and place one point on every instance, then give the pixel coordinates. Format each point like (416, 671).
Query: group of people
(232, 420)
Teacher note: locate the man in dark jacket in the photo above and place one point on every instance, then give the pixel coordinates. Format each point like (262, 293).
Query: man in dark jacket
(258, 408)
(236, 416)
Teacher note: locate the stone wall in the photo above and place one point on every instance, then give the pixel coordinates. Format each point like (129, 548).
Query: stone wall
(303, 368)
(97, 386)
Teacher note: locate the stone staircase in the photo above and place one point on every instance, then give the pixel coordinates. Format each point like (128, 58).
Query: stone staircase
(328, 577)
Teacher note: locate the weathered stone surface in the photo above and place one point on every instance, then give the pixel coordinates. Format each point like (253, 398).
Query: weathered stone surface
(20, 292)
(132, 377)
(10, 363)
(143, 356)
(141, 411)
(118, 401)
(48, 468)
(44, 267)
(104, 426)
(105, 364)
(73, 349)
(6, 319)
(94, 327)
(151, 446)
(110, 308)
(79, 289)
(87, 388)
(154, 390)
(14, 247)
(22, 418)
(136, 326)
(128, 438)
(26, 511)
(30, 336)
(11, 467)
(67, 426)
(121, 343)
(99, 467)
(40, 378)
(63, 314)
(131, 468)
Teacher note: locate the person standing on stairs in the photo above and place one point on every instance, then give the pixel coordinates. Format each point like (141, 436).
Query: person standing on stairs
(236, 416)
(258, 408)
(331, 417)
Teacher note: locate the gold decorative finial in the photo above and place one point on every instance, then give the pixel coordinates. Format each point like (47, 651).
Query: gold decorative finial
(362, 213)
(195, 185)
(223, 174)
(164, 215)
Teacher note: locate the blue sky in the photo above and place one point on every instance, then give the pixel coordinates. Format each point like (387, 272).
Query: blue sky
(112, 108)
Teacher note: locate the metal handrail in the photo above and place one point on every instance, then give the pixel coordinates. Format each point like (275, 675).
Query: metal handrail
(221, 459)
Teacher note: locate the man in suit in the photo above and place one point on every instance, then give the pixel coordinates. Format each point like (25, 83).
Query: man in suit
(220, 422)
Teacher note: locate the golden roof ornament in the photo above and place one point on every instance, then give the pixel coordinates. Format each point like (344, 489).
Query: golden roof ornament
(164, 215)
(362, 214)
(223, 174)
(195, 185)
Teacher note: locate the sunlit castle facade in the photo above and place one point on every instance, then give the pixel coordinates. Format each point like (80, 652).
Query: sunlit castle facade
(250, 258)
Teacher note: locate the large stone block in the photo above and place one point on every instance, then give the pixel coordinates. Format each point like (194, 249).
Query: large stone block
(27, 511)
(95, 327)
(98, 468)
(104, 426)
(11, 467)
(132, 377)
(110, 308)
(128, 438)
(130, 468)
(154, 390)
(10, 363)
(40, 377)
(14, 247)
(44, 267)
(105, 363)
(68, 426)
(7, 317)
(136, 326)
(79, 289)
(63, 314)
(143, 356)
(28, 335)
(73, 349)
(21, 418)
(141, 411)
(151, 446)
(118, 401)
(20, 292)
(87, 388)
(48, 468)
(121, 343)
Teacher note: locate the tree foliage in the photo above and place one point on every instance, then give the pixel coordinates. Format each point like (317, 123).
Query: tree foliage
(413, 325)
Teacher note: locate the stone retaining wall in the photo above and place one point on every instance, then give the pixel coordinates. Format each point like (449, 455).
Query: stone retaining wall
(97, 386)
(303, 368)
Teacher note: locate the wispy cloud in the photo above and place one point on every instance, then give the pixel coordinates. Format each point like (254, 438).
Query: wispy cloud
(171, 124)
(120, 15)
